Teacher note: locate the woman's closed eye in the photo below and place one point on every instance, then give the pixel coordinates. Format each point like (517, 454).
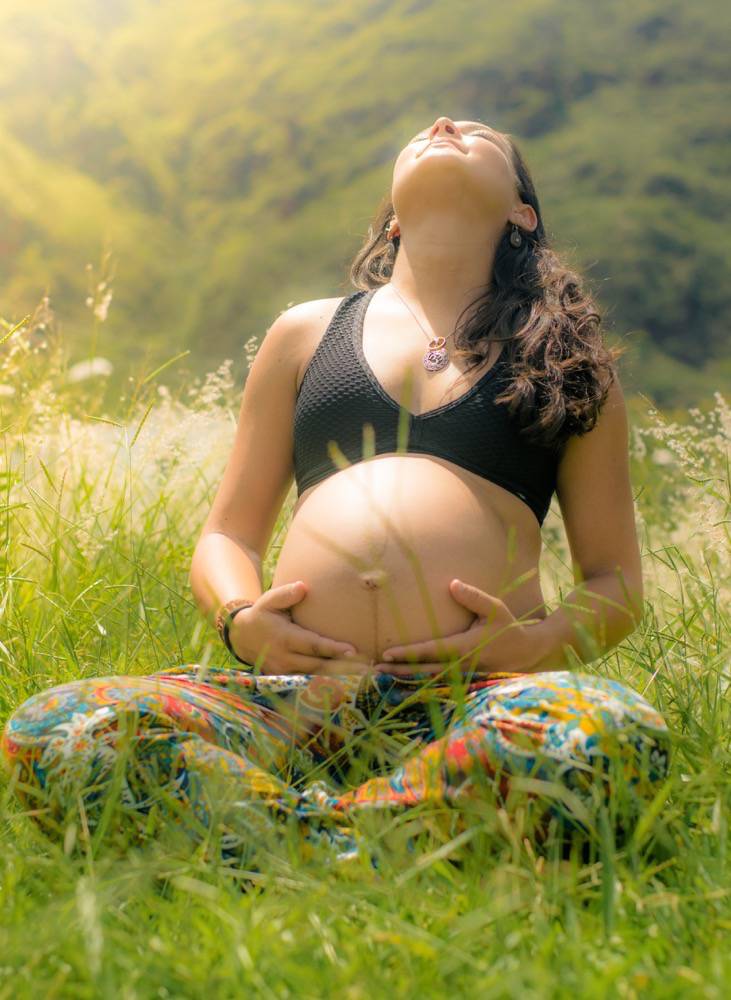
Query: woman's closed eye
(485, 135)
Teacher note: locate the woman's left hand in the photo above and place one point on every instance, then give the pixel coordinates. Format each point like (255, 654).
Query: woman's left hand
(497, 642)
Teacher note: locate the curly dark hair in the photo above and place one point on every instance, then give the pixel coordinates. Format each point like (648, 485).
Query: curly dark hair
(550, 325)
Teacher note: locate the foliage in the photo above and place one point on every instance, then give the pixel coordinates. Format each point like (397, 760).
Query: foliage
(230, 156)
(100, 516)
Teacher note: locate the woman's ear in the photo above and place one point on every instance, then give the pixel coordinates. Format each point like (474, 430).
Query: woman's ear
(525, 216)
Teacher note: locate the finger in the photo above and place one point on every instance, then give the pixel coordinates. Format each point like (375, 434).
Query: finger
(473, 598)
(282, 597)
(336, 668)
(304, 640)
(299, 663)
(431, 649)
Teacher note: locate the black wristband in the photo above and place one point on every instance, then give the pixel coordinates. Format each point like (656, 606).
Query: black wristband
(226, 637)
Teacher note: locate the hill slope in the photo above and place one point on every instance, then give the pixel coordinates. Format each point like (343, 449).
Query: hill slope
(230, 156)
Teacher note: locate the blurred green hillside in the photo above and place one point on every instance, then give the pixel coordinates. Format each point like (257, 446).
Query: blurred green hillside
(230, 156)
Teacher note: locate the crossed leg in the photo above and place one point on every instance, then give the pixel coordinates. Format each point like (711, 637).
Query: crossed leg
(198, 747)
(575, 741)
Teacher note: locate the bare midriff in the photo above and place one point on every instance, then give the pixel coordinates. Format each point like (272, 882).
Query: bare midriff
(378, 543)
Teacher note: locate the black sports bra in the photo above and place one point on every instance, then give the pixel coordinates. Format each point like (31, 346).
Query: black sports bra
(339, 394)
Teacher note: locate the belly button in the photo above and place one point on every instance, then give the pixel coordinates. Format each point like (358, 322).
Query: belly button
(373, 579)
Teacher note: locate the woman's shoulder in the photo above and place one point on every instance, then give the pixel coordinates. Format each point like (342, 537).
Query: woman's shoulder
(304, 325)
(311, 313)
(293, 329)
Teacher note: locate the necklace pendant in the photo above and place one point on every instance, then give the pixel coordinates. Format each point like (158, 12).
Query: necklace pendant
(436, 357)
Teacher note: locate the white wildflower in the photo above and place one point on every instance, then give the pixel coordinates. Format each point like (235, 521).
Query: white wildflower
(90, 368)
(101, 309)
(250, 349)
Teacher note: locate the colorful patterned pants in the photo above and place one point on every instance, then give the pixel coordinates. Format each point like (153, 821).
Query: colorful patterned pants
(227, 748)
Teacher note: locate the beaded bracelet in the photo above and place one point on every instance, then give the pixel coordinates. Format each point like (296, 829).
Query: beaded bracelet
(226, 614)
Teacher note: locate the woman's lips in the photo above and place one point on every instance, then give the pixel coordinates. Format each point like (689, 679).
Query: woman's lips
(438, 142)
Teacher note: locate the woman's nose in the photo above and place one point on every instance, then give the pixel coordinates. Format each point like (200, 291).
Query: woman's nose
(443, 124)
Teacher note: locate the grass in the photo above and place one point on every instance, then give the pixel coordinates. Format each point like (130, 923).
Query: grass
(100, 515)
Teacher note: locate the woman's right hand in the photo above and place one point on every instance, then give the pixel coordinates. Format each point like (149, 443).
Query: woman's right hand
(265, 630)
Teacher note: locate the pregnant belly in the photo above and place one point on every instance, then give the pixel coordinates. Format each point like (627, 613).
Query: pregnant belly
(378, 543)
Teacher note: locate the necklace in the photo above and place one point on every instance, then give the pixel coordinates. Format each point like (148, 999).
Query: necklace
(436, 356)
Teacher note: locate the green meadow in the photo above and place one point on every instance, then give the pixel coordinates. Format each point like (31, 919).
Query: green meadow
(101, 511)
(173, 176)
(223, 160)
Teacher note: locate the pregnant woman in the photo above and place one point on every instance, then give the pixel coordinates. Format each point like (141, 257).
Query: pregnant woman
(427, 419)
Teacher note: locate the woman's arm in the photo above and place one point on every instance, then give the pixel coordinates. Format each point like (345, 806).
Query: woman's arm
(223, 568)
(595, 496)
(227, 561)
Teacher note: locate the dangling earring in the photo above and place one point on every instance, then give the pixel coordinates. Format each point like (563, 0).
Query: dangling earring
(516, 240)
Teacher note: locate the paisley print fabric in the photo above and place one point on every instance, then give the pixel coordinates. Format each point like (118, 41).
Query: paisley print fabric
(223, 746)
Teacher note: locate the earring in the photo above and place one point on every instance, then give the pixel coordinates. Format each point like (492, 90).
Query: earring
(516, 240)
(390, 234)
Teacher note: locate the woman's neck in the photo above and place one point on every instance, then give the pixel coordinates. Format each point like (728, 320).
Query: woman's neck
(438, 280)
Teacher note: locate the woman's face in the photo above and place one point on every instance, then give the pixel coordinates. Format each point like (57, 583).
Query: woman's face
(457, 161)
